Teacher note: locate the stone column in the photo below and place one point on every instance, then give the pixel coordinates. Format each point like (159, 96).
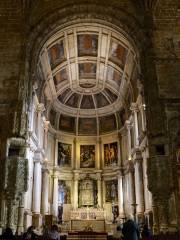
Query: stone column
(132, 189)
(10, 213)
(37, 187)
(128, 126)
(99, 187)
(76, 178)
(45, 186)
(155, 217)
(139, 188)
(20, 226)
(40, 109)
(46, 128)
(135, 109)
(55, 196)
(120, 196)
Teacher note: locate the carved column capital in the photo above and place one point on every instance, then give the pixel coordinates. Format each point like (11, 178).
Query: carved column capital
(40, 108)
(134, 107)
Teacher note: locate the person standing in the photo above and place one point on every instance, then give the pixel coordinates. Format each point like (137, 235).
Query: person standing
(146, 233)
(130, 230)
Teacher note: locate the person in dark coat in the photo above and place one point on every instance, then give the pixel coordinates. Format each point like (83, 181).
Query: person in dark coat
(8, 234)
(130, 230)
(146, 233)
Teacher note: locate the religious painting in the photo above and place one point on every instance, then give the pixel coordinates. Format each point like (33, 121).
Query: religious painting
(87, 126)
(107, 124)
(64, 154)
(111, 191)
(87, 70)
(87, 102)
(56, 54)
(60, 76)
(87, 45)
(67, 123)
(101, 100)
(73, 100)
(114, 75)
(64, 192)
(87, 156)
(110, 154)
(118, 53)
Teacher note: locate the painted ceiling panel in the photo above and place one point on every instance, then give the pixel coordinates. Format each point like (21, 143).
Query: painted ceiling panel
(87, 102)
(73, 101)
(63, 96)
(87, 70)
(56, 54)
(118, 53)
(67, 123)
(107, 124)
(101, 100)
(87, 126)
(60, 76)
(87, 44)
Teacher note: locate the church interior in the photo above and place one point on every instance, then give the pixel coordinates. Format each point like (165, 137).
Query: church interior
(90, 114)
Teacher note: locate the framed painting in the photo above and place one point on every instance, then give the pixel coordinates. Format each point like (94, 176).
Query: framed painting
(64, 154)
(87, 156)
(111, 190)
(110, 154)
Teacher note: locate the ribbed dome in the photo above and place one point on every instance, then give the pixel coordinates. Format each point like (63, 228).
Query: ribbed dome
(87, 70)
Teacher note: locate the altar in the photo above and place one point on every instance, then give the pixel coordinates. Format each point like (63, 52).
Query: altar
(88, 225)
(87, 213)
(84, 218)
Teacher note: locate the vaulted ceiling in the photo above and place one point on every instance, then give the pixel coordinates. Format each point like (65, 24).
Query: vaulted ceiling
(87, 68)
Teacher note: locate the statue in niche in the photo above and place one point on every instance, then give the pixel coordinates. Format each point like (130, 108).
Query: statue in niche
(87, 192)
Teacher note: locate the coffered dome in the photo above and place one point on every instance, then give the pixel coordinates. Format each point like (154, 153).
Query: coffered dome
(87, 68)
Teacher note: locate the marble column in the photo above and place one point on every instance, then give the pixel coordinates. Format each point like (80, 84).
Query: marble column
(76, 178)
(139, 185)
(132, 190)
(99, 187)
(40, 109)
(45, 188)
(120, 196)
(20, 226)
(128, 126)
(46, 128)
(55, 196)
(37, 187)
(135, 109)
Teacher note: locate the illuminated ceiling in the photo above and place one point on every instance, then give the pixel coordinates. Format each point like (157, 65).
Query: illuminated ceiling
(87, 68)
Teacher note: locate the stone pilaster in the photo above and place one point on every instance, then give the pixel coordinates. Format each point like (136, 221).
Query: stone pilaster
(76, 179)
(134, 109)
(128, 126)
(132, 188)
(55, 195)
(45, 186)
(37, 186)
(120, 196)
(20, 226)
(139, 188)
